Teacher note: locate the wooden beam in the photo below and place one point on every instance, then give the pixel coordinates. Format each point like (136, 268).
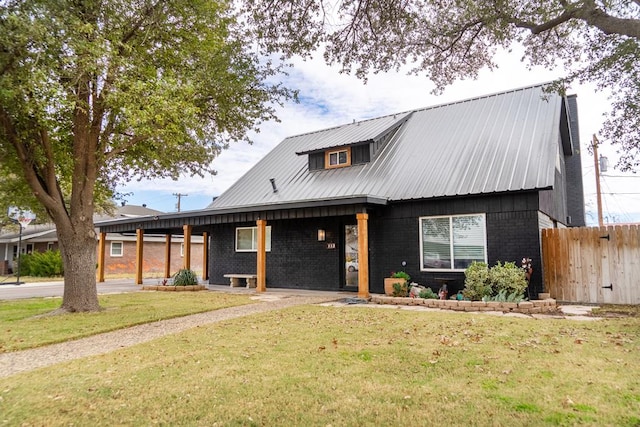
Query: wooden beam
(205, 256)
(363, 255)
(101, 249)
(167, 256)
(261, 284)
(139, 254)
(187, 246)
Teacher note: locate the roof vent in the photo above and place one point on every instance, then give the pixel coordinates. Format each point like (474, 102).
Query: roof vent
(273, 184)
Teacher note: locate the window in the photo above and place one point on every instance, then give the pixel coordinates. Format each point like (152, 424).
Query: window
(182, 249)
(452, 242)
(338, 158)
(116, 249)
(50, 246)
(247, 239)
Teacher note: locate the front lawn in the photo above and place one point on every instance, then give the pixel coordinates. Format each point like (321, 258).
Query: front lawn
(22, 328)
(310, 365)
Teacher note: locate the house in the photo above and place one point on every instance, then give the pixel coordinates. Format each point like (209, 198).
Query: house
(120, 247)
(427, 191)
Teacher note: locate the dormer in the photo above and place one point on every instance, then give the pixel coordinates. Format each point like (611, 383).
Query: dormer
(352, 144)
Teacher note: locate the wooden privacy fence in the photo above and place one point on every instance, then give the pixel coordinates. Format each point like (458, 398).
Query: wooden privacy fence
(592, 264)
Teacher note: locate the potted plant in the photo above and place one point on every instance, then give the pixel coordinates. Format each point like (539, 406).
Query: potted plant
(396, 277)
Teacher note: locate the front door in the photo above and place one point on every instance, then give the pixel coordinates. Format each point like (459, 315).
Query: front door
(351, 255)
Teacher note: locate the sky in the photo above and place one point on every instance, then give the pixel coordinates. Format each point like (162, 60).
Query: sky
(329, 98)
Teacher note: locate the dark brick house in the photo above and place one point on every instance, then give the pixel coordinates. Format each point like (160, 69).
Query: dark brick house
(426, 191)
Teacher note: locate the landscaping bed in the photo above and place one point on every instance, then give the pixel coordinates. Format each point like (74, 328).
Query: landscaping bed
(524, 307)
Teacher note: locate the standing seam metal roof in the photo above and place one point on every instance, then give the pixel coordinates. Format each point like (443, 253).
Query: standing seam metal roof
(502, 142)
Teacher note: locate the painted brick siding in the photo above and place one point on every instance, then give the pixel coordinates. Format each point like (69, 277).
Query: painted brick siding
(512, 233)
(153, 258)
(296, 260)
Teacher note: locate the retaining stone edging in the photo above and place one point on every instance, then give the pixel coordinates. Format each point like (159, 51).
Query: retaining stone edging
(525, 307)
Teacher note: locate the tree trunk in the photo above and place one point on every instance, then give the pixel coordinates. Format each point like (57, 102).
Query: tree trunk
(78, 250)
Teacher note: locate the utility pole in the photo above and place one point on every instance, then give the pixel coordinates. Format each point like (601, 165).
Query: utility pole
(597, 165)
(179, 196)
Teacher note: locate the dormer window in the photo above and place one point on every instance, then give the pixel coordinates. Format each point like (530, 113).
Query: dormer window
(338, 158)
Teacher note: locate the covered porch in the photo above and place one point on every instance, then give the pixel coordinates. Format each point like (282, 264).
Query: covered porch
(299, 229)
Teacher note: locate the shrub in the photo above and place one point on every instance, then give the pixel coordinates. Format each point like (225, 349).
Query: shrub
(504, 297)
(428, 294)
(476, 283)
(41, 264)
(185, 277)
(507, 277)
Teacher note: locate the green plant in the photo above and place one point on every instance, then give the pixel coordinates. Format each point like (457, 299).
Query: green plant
(507, 277)
(502, 296)
(428, 294)
(185, 277)
(476, 283)
(401, 275)
(41, 264)
(400, 289)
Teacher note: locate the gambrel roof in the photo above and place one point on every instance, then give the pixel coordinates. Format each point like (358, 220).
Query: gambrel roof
(507, 141)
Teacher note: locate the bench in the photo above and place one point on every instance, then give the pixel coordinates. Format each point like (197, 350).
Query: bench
(251, 279)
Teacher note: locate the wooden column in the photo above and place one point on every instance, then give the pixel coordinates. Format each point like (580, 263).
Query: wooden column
(101, 248)
(167, 256)
(261, 272)
(363, 255)
(139, 254)
(205, 256)
(187, 246)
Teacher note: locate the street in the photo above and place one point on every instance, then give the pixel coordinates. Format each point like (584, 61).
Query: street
(55, 289)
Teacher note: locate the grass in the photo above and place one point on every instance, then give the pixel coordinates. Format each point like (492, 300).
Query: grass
(359, 366)
(21, 328)
(617, 310)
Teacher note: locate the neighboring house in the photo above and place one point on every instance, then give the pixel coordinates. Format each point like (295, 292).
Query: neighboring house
(437, 188)
(120, 247)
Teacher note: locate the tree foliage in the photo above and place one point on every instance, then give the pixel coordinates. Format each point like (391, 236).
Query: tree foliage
(595, 41)
(98, 92)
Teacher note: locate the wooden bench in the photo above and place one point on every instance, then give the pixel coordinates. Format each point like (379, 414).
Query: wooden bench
(251, 280)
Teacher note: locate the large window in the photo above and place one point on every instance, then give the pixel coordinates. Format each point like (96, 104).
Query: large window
(452, 242)
(247, 239)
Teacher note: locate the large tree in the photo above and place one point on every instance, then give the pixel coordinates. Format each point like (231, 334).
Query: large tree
(595, 41)
(96, 92)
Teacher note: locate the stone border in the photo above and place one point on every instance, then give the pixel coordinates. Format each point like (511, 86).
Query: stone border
(525, 307)
(172, 288)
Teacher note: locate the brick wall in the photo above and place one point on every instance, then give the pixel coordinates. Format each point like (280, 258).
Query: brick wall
(298, 260)
(153, 258)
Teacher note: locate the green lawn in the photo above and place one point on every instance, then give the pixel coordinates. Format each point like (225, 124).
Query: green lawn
(21, 328)
(354, 366)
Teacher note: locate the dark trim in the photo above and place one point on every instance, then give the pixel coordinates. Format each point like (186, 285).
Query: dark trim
(172, 223)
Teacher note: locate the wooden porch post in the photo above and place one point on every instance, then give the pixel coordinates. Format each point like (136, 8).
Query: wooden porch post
(363, 255)
(261, 272)
(101, 247)
(187, 245)
(139, 254)
(167, 256)
(205, 256)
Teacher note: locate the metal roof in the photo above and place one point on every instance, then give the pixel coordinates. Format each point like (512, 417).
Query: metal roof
(496, 143)
(351, 134)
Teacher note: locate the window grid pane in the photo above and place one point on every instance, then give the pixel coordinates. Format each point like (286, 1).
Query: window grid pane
(436, 243)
